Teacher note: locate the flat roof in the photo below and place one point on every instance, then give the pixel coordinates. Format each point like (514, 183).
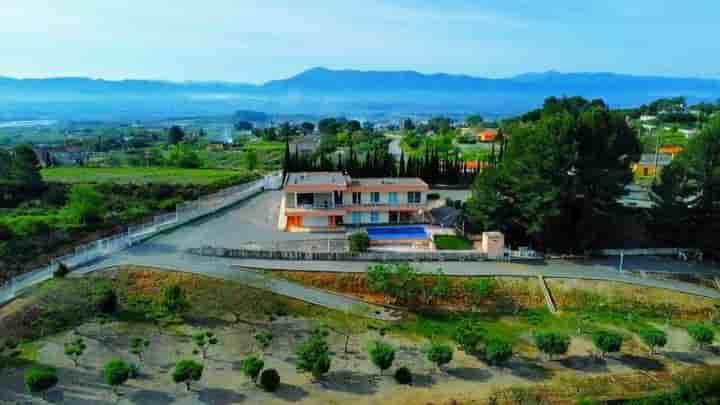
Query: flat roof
(317, 179)
(389, 181)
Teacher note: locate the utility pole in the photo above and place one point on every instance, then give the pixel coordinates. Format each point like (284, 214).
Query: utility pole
(622, 260)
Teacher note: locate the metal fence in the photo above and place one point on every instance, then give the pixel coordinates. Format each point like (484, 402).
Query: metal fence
(135, 234)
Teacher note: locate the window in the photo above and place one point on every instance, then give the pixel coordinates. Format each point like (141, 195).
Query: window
(374, 217)
(392, 197)
(357, 217)
(414, 197)
(374, 197)
(646, 171)
(356, 198)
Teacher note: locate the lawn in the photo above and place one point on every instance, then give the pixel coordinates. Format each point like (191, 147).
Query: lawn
(139, 175)
(451, 242)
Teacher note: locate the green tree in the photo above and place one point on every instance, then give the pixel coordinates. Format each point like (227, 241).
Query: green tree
(478, 289)
(115, 374)
(25, 169)
(314, 354)
(653, 338)
(264, 339)
(439, 353)
(498, 351)
(187, 371)
(251, 159)
(203, 341)
(138, 346)
(174, 299)
(382, 355)
(175, 135)
(75, 349)
(270, 380)
(474, 120)
(252, 366)
(607, 342)
(552, 344)
(359, 242)
(702, 334)
(436, 287)
(401, 282)
(40, 379)
(85, 205)
(469, 335)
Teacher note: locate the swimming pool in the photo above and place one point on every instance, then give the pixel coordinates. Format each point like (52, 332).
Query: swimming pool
(397, 232)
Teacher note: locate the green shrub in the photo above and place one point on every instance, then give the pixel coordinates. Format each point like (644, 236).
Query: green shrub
(314, 354)
(702, 334)
(552, 344)
(264, 339)
(106, 300)
(382, 355)
(115, 373)
(174, 300)
(498, 352)
(607, 342)
(439, 353)
(403, 376)
(40, 379)
(187, 371)
(270, 380)
(252, 366)
(359, 242)
(61, 271)
(85, 205)
(653, 338)
(469, 335)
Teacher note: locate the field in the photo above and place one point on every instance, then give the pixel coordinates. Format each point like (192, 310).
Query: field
(138, 175)
(65, 309)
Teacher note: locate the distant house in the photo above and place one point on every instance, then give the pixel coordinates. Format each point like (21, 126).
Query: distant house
(651, 164)
(672, 150)
(487, 135)
(61, 155)
(305, 145)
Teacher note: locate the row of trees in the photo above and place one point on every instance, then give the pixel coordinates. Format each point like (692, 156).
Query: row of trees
(432, 167)
(558, 177)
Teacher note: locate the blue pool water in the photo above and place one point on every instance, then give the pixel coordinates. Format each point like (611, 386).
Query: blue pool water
(397, 232)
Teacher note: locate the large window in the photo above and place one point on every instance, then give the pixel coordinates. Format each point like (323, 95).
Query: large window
(414, 197)
(356, 198)
(357, 217)
(392, 198)
(374, 197)
(374, 217)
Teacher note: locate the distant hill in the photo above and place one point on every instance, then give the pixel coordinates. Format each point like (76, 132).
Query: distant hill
(324, 91)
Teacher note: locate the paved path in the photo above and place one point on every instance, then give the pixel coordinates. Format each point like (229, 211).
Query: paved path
(553, 269)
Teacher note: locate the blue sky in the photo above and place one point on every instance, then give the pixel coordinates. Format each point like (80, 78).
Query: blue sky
(259, 40)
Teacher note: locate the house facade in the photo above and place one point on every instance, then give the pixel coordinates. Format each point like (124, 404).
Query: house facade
(329, 200)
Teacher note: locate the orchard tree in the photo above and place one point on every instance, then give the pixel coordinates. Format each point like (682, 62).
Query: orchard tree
(38, 380)
(314, 354)
(498, 351)
(653, 338)
(607, 342)
(552, 344)
(382, 355)
(187, 371)
(138, 346)
(115, 374)
(203, 341)
(252, 366)
(75, 349)
(439, 353)
(702, 334)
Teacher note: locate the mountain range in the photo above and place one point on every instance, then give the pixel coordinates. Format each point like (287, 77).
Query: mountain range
(321, 91)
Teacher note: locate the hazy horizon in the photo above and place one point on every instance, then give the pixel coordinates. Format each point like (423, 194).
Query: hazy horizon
(253, 42)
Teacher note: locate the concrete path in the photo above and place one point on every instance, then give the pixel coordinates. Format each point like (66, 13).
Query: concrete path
(554, 269)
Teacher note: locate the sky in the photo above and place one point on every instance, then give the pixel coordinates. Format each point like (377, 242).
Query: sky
(259, 40)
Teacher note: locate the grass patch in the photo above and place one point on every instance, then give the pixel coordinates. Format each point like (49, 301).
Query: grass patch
(165, 175)
(451, 242)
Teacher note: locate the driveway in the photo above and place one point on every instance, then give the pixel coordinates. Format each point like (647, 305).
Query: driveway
(255, 220)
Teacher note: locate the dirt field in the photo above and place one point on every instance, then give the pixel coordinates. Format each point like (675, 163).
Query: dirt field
(236, 314)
